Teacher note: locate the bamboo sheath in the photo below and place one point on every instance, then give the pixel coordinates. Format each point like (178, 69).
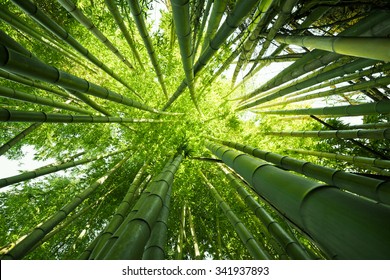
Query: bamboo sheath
(288, 242)
(255, 250)
(377, 190)
(24, 246)
(344, 225)
(87, 23)
(50, 169)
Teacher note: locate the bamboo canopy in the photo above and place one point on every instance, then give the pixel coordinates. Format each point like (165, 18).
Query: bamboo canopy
(169, 187)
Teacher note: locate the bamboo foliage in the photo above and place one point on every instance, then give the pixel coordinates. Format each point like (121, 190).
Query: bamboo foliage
(24, 246)
(140, 22)
(50, 169)
(356, 230)
(87, 23)
(246, 237)
(32, 10)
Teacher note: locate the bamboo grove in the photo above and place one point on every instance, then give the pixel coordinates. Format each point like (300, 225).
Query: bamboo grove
(195, 129)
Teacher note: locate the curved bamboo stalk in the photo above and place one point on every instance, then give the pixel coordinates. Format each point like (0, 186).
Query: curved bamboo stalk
(380, 107)
(118, 19)
(32, 10)
(374, 25)
(343, 69)
(346, 226)
(377, 82)
(87, 23)
(372, 188)
(24, 116)
(17, 138)
(31, 98)
(28, 82)
(241, 9)
(181, 17)
(119, 215)
(18, 24)
(219, 7)
(15, 62)
(284, 14)
(140, 22)
(381, 163)
(50, 169)
(353, 46)
(261, 20)
(205, 17)
(341, 134)
(288, 242)
(155, 247)
(254, 249)
(136, 233)
(25, 245)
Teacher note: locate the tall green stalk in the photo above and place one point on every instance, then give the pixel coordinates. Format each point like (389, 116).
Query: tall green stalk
(87, 23)
(140, 22)
(51, 169)
(344, 225)
(32, 10)
(17, 138)
(136, 233)
(25, 245)
(257, 252)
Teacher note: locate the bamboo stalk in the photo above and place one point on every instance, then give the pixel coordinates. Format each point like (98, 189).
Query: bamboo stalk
(25, 245)
(353, 46)
(17, 138)
(345, 225)
(87, 23)
(50, 169)
(374, 189)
